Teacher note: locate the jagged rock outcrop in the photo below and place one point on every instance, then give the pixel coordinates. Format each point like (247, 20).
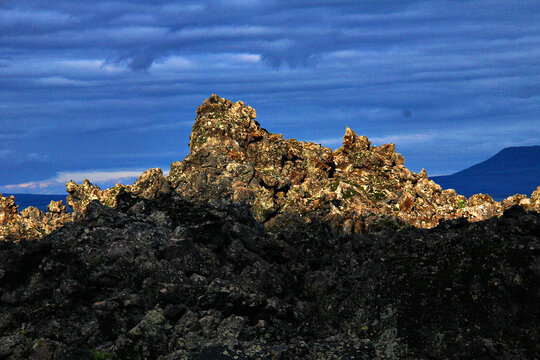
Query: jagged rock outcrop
(150, 184)
(535, 199)
(31, 223)
(353, 187)
(8, 210)
(167, 279)
(356, 187)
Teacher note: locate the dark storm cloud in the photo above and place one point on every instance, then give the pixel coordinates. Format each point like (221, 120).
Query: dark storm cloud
(114, 84)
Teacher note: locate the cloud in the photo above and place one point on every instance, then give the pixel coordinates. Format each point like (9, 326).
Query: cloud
(10, 18)
(142, 60)
(85, 82)
(4, 154)
(93, 65)
(103, 178)
(37, 157)
(60, 81)
(329, 141)
(24, 187)
(401, 140)
(97, 175)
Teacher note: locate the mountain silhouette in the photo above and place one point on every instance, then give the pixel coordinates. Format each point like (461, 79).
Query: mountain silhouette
(514, 170)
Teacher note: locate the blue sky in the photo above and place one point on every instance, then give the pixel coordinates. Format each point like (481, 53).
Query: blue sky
(107, 89)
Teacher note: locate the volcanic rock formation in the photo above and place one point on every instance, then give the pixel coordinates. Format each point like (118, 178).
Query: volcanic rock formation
(356, 187)
(352, 187)
(31, 223)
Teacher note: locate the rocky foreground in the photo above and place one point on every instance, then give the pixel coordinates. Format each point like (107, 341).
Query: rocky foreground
(257, 247)
(170, 279)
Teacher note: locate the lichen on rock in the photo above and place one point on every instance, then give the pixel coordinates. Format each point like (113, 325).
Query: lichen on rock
(231, 156)
(31, 223)
(354, 187)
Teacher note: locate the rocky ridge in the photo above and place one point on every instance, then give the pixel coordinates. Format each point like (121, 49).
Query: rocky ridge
(355, 187)
(31, 223)
(352, 187)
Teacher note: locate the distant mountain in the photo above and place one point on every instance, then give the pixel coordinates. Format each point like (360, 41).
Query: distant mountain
(38, 200)
(514, 170)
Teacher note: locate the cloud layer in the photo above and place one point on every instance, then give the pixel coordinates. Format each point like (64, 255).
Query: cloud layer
(115, 84)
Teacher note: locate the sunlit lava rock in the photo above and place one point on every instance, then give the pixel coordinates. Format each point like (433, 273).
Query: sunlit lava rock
(356, 187)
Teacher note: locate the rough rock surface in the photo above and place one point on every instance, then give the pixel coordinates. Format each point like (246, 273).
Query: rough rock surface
(168, 279)
(31, 223)
(355, 187)
(535, 199)
(150, 184)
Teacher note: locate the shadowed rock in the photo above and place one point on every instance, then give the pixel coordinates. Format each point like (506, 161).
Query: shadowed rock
(168, 279)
